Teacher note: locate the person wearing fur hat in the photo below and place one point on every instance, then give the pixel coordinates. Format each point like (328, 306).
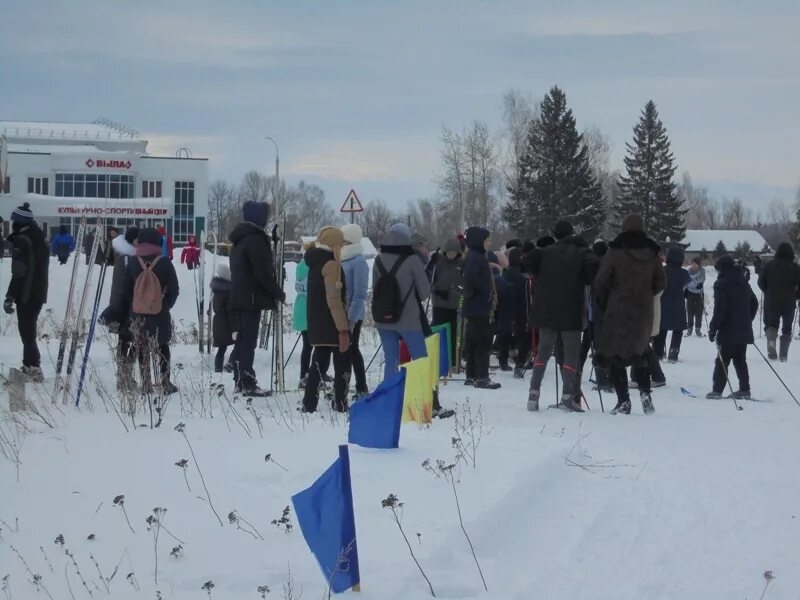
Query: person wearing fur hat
(356, 275)
(328, 327)
(562, 271)
(224, 322)
(254, 289)
(630, 277)
(30, 258)
(447, 287)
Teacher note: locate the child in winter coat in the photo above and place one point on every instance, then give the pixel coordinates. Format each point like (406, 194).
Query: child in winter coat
(224, 323)
(356, 274)
(190, 256)
(695, 299)
(731, 327)
(62, 245)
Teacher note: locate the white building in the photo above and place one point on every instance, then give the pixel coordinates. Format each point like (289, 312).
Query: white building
(699, 240)
(101, 170)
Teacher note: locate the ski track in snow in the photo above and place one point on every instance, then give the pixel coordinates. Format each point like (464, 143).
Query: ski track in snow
(696, 501)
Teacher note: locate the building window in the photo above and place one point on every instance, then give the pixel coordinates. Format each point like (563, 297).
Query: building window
(38, 185)
(82, 185)
(184, 211)
(151, 189)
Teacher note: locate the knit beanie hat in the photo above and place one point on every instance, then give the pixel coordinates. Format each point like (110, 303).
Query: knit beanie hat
(22, 214)
(352, 233)
(148, 235)
(256, 212)
(419, 240)
(600, 247)
(563, 229)
(223, 272)
(633, 222)
(131, 233)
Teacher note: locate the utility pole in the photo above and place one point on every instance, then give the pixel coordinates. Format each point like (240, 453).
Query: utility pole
(276, 189)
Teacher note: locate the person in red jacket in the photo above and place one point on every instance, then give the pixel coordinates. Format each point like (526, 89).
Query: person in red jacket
(166, 243)
(190, 256)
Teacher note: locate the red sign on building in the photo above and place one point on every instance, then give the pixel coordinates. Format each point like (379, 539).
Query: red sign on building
(109, 164)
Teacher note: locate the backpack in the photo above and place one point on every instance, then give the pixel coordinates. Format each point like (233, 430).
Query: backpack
(387, 299)
(148, 296)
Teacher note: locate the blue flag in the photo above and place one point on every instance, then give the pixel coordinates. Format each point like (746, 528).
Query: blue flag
(325, 514)
(375, 419)
(444, 352)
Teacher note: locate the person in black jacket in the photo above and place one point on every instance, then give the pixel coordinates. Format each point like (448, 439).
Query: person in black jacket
(446, 287)
(30, 258)
(148, 331)
(780, 281)
(673, 306)
(479, 302)
(224, 322)
(253, 289)
(731, 327)
(561, 272)
(518, 283)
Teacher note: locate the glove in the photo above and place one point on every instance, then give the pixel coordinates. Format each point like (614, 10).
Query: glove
(234, 335)
(8, 306)
(712, 335)
(344, 341)
(113, 327)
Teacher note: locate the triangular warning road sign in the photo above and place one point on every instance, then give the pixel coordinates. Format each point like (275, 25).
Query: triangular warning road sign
(351, 204)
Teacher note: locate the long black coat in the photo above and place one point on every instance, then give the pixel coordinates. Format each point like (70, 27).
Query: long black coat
(121, 308)
(561, 273)
(630, 276)
(735, 305)
(780, 280)
(477, 275)
(224, 321)
(322, 328)
(30, 261)
(504, 312)
(673, 301)
(252, 272)
(517, 294)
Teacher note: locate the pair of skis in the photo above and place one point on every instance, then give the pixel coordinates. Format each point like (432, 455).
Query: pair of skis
(204, 316)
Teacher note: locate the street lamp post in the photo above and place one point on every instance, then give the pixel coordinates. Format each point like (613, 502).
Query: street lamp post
(276, 189)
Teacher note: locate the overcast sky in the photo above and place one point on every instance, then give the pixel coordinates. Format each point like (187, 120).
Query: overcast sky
(356, 93)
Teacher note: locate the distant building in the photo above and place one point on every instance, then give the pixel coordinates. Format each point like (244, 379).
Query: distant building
(698, 240)
(101, 170)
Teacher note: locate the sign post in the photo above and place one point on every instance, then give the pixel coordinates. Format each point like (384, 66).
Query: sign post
(352, 205)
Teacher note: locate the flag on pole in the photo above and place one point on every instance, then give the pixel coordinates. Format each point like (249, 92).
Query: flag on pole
(325, 514)
(432, 345)
(375, 419)
(444, 348)
(418, 393)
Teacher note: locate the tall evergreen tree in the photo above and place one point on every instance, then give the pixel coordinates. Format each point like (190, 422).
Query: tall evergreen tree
(648, 188)
(555, 178)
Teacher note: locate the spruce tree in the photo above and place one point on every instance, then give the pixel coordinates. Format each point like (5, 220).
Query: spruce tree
(555, 179)
(648, 188)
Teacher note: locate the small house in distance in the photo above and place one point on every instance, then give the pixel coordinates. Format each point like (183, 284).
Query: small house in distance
(698, 240)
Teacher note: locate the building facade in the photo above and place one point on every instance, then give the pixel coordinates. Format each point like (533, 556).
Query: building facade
(103, 171)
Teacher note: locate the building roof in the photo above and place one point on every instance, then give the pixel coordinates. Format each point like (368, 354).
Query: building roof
(101, 129)
(699, 239)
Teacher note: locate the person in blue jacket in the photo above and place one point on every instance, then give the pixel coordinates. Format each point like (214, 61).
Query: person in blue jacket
(356, 276)
(62, 245)
(673, 306)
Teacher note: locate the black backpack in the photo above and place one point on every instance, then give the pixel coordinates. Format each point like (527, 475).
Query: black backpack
(387, 299)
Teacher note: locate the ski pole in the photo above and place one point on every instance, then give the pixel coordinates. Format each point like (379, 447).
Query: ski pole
(776, 375)
(728, 379)
(557, 396)
(374, 356)
(596, 377)
(297, 341)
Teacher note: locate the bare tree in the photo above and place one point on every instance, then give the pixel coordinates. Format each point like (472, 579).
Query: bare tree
(703, 211)
(598, 145)
(423, 220)
(224, 208)
(255, 187)
(452, 177)
(778, 213)
(735, 215)
(518, 112)
(376, 220)
(306, 210)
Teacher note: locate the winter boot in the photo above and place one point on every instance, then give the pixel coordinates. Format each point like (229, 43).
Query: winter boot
(698, 333)
(672, 356)
(487, 384)
(784, 347)
(570, 403)
(740, 395)
(647, 403)
(689, 332)
(251, 390)
(714, 395)
(533, 400)
(623, 407)
(469, 381)
(504, 366)
(519, 373)
(168, 388)
(660, 383)
(772, 337)
(34, 374)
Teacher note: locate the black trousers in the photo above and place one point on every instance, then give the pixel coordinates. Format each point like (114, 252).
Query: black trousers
(784, 316)
(653, 367)
(357, 359)
(695, 305)
(660, 341)
(477, 346)
(519, 335)
(449, 316)
(244, 350)
(341, 377)
(619, 379)
(219, 358)
(738, 354)
(27, 317)
(305, 354)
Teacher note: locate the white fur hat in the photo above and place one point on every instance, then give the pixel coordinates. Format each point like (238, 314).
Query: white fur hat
(352, 233)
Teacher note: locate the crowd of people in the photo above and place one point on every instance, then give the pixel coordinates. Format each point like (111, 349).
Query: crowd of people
(558, 296)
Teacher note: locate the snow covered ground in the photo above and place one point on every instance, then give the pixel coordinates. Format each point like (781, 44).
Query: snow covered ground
(696, 501)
